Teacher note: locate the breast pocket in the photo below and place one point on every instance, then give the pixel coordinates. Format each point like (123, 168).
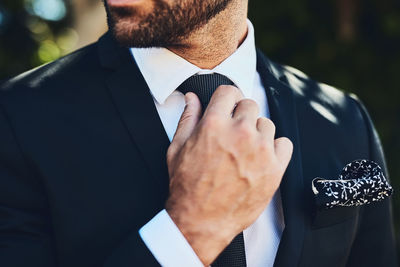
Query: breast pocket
(329, 217)
(329, 239)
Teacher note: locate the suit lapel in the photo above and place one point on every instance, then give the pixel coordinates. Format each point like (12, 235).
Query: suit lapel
(283, 114)
(136, 108)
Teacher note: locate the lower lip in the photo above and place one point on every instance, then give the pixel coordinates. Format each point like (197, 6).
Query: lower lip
(122, 2)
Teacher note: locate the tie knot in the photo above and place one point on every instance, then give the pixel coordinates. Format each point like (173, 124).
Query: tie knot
(204, 86)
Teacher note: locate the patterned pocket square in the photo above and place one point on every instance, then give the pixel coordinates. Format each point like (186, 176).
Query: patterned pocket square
(360, 182)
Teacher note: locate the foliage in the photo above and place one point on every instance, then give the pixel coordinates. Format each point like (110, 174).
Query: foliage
(310, 35)
(27, 39)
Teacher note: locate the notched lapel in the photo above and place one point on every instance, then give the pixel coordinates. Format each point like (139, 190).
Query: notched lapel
(136, 108)
(283, 114)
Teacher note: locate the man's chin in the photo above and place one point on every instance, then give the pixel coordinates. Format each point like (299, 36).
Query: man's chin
(159, 23)
(124, 22)
(134, 25)
(124, 33)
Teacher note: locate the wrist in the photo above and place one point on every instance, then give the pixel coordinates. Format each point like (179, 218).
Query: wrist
(206, 238)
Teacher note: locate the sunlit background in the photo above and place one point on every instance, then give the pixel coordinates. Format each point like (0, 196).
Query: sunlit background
(34, 32)
(350, 44)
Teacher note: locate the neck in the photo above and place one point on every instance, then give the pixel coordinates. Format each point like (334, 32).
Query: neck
(208, 46)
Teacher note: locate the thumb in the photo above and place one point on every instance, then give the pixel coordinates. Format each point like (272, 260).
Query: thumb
(188, 121)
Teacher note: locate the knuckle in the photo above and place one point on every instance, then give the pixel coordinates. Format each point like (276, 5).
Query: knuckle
(269, 124)
(286, 142)
(249, 102)
(244, 129)
(261, 123)
(265, 146)
(262, 120)
(212, 120)
(171, 153)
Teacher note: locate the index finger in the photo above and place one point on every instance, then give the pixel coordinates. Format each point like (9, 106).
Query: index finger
(224, 100)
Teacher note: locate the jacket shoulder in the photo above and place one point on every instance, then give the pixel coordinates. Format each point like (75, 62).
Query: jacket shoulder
(325, 106)
(317, 92)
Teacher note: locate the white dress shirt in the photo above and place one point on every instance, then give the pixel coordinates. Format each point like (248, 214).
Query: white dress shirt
(164, 71)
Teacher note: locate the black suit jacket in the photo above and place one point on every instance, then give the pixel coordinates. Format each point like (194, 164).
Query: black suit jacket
(82, 166)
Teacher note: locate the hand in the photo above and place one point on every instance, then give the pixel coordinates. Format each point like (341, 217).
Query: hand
(224, 169)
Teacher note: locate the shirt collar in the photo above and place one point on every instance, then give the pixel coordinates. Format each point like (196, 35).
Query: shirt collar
(164, 71)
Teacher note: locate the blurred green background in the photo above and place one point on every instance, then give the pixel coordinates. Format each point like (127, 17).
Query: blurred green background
(350, 44)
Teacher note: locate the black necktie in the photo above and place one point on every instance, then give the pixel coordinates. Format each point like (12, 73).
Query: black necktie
(204, 86)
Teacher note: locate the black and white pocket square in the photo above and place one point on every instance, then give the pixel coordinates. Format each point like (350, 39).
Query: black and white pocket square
(360, 182)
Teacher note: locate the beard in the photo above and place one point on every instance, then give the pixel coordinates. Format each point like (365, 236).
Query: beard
(167, 25)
